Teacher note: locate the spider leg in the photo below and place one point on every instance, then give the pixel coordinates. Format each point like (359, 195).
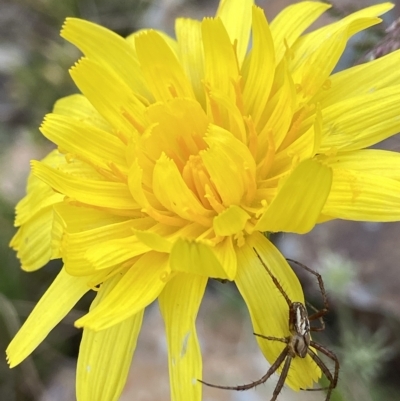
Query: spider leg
(324, 311)
(322, 327)
(271, 370)
(282, 340)
(331, 356)
(318, 315)
(286, 366)
(332, 379)
(282, 377)
(274, 279)
(324, 369)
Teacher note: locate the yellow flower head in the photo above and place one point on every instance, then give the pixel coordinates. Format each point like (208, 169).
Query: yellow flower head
(175, 159)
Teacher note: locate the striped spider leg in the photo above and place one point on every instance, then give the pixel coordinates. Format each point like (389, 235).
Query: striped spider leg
(298, 343)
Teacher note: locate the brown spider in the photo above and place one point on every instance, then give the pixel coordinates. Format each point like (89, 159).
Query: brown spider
(298, 343)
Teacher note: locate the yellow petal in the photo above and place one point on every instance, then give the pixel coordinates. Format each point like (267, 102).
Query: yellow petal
(221, 68)
(179, 127)
(357, 80)
(363, 196)
(113, 99)
(174, 194)
(191, 56)
(268, 309)
(57, 234)
(367, 12)
(230, 12)
(135, 178)
(196, 258)
(154, 241)
(57, 301)
(114, 252)
(315, 55)
(33, 241)
(78, 219)
(39, 195)
(291, 22)
(354, 22)
(379, 162)
(191, 231)
(78, 107)
(84, 228)
(98, 193)
(107, 48)
(112, 347)
(136, 289)
(225, 252)
(361, 121)
(103, 150)
(277, 116)
(179, 305)
(230, 165)
(302, 148)
(86, 250)
(259, 74)
(131, 39)
(232, 119)
(157, 237)
(300, 200)
(231, 221)
(163, 73)
(147, 200)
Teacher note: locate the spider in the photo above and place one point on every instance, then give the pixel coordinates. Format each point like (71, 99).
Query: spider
(298, 343)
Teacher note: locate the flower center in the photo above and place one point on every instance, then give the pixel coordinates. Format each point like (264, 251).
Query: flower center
(198, 180)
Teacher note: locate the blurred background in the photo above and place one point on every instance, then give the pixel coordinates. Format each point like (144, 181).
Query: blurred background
(359, 261)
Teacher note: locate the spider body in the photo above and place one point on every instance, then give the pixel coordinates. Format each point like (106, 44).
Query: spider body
(299, 343)
(299, 326)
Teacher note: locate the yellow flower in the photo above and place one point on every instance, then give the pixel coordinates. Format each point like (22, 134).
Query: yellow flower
(176, 158)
